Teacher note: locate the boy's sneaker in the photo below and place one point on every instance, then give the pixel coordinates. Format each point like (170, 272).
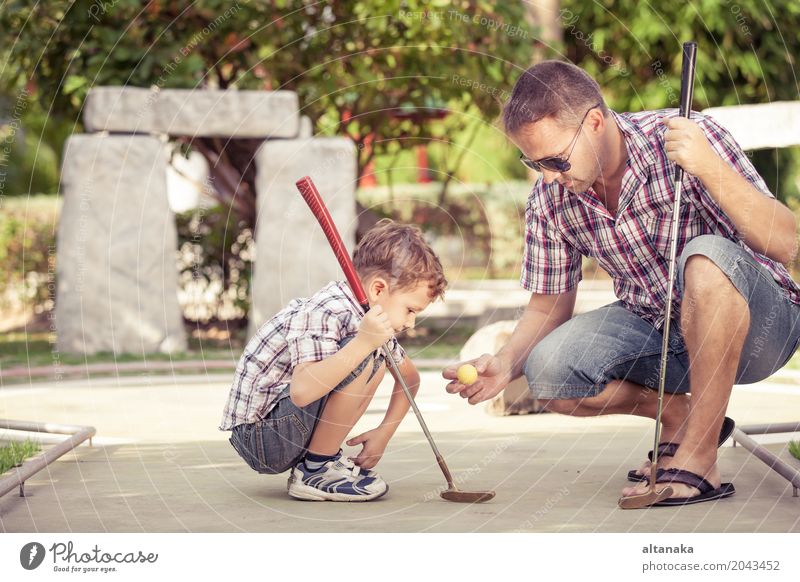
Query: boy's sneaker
(337, 480)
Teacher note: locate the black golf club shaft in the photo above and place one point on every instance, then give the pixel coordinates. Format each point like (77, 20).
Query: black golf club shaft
(687, 92)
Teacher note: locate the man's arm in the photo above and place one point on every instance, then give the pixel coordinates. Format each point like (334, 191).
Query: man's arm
(543, 314)
(767, 226)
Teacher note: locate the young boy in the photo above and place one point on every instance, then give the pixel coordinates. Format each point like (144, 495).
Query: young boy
(309, 373)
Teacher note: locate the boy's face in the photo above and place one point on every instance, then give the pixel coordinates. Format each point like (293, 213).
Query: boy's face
(402, 305)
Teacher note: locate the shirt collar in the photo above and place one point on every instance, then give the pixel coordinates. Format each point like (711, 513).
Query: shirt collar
(344, 287)
(641, 153)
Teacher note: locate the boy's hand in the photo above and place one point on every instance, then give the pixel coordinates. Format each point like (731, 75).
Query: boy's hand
(374, 442)
(375, 329)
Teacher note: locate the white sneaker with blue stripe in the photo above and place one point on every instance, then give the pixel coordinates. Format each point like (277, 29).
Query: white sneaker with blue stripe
(337, 480)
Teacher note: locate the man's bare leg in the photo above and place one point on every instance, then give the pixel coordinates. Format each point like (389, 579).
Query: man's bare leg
(342, 411)
(624, 397)
(715, 320)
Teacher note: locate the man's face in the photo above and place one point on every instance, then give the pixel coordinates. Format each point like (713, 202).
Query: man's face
(550, 138)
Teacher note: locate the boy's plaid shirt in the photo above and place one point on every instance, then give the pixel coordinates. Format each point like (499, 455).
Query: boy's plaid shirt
(307, 330)
(633, 247)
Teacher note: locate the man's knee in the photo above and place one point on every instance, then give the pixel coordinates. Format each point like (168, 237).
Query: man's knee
(703, 264)
(704, 278)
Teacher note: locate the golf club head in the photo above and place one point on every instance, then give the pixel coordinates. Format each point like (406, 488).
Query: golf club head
(646, 499)
(467, 496)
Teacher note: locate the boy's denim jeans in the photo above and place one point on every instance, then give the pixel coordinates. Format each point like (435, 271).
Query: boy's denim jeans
(279, 441)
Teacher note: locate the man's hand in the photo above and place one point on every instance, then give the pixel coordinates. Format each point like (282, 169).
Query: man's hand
(687, 146)
(492, 378)
(374, 442)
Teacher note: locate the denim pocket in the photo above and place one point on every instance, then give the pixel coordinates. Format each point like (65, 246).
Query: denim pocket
(279, 443)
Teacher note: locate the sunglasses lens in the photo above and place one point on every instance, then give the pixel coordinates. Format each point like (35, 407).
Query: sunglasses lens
(555, 164)
(531, 164)
(549, 164)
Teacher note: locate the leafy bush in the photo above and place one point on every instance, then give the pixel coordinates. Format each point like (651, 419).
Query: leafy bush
(215, 260)
(476, 233)
(27, 252)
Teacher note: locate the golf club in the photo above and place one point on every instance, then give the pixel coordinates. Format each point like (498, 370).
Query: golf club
(312, 197)
(652, 495)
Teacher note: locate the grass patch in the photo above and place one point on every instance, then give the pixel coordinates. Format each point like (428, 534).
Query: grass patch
(38, 349)
(794, 449)
(13, 453)
(424, 343)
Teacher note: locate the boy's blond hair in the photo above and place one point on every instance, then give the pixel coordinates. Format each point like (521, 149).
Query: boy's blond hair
(399, 253)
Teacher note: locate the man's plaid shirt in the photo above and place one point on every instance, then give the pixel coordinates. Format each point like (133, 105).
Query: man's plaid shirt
(633, 246)
(307, 330)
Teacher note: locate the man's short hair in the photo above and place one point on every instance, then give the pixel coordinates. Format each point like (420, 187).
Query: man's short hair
(399, 253)
(551, 89)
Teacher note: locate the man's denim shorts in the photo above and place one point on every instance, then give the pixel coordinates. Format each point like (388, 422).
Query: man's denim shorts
(582, 355)
(279, 441)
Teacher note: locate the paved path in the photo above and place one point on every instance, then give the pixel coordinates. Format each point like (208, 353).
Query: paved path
(159, 464)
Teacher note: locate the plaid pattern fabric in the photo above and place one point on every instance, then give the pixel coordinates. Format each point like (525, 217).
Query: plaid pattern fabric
(307, 330)
(633, 247)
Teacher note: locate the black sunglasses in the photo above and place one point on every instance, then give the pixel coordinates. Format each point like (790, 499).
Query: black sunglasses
(556, 163)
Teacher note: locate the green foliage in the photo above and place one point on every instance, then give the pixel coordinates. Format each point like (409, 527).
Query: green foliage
(794, 449)
(30, 166)
(356, 65)
(746, 53)
(13, 453)
(27, 252)
(215, 259)
(478, 233)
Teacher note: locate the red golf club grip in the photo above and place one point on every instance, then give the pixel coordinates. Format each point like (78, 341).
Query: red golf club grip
(312, 197)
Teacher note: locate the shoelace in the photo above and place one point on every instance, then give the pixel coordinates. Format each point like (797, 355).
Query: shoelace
(348, 463)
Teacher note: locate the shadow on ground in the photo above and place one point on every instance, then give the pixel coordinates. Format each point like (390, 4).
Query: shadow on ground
(544, 483)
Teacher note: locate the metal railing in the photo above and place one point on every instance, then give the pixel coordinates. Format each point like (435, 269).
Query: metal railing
(18, 475)
(741, 435)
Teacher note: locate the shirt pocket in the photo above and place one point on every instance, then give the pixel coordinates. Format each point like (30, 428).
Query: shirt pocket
(658, 228)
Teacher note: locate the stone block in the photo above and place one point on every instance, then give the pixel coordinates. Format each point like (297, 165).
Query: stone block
(293, 257)
(193, 112)
(116, 269)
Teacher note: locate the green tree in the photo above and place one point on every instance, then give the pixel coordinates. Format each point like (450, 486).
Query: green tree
(746, 53)
(370, 70)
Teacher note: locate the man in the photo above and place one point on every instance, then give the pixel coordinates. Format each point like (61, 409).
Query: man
(606, 191)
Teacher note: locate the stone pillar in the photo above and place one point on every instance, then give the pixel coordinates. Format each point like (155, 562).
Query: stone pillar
(117, 277)
(293, 257)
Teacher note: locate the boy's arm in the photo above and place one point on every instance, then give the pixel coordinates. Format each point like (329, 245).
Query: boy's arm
(374, 441)
(398, 404)
(313, 380)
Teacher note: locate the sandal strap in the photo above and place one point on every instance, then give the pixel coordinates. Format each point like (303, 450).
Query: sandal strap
(669, 449)
(675, 475)
(664, 450)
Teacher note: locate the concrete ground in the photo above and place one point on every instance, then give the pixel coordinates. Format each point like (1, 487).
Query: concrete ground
(159, 464)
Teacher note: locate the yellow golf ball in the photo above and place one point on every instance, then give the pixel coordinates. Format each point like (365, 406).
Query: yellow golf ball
(467, 374)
